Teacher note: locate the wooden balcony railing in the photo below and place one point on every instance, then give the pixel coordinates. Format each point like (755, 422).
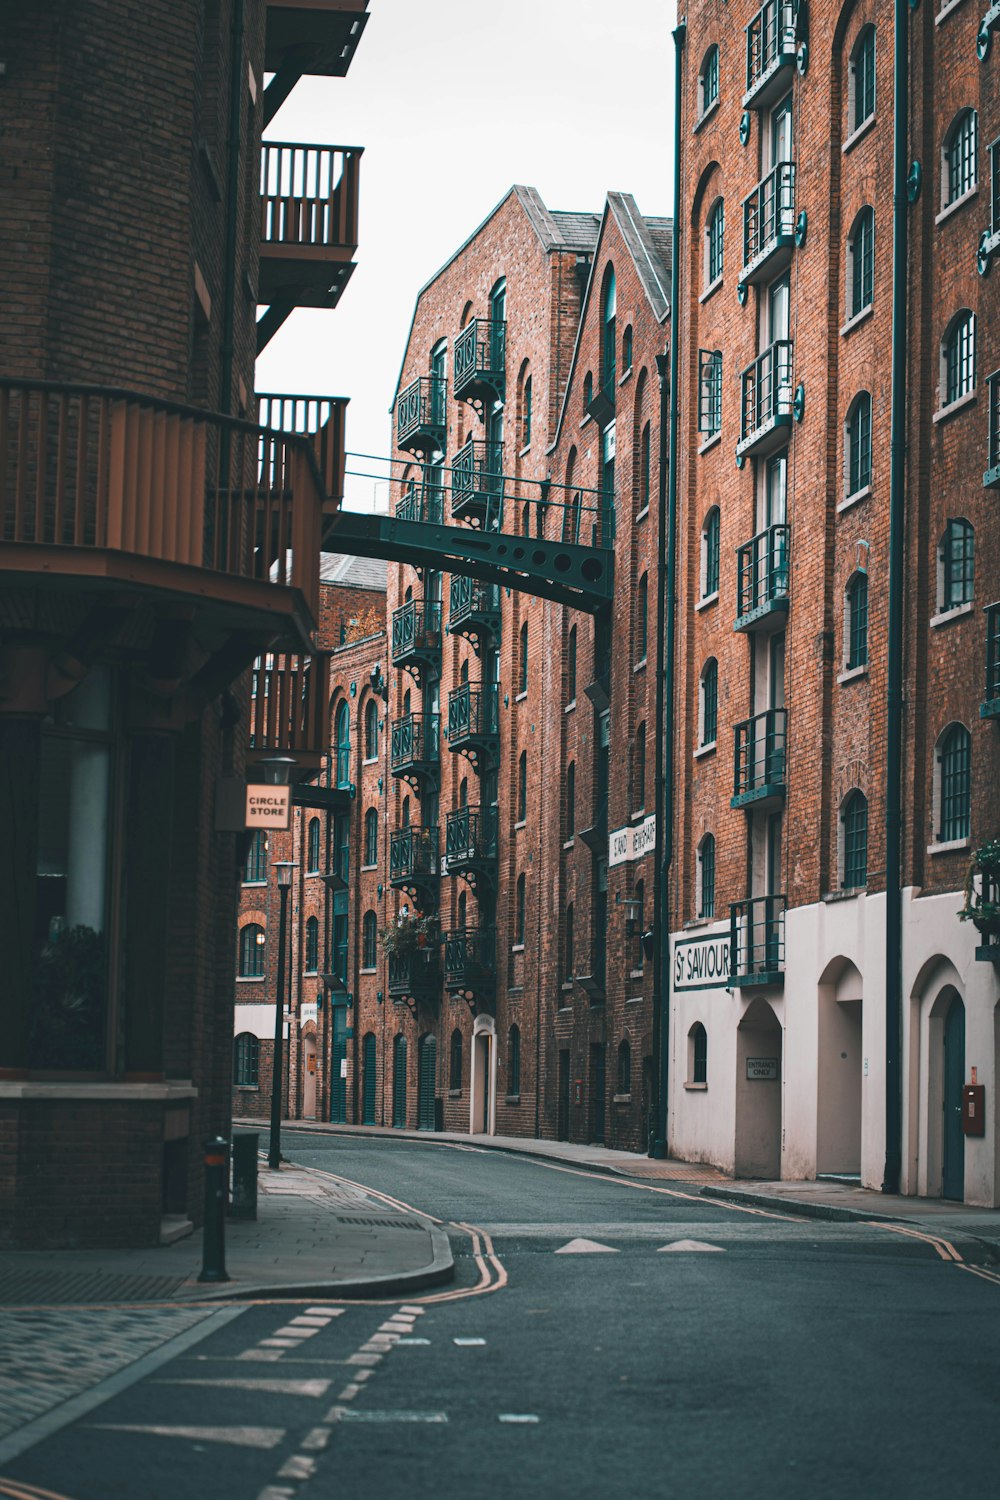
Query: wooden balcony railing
(309, 197)
(86, 469)
(288, 707)
(321, 419)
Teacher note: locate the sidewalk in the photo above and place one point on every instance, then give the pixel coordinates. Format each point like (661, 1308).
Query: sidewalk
(313, 1237)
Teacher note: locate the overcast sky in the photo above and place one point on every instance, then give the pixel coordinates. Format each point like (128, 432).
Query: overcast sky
(453, 102)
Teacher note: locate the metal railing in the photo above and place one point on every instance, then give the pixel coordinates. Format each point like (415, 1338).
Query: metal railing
(762, 571)
(321, 419)
(422, 501)
(470, 837)
(289, 700)
(92, 467)
(766, 392)
(480, 355)
(416, 628)
(420, 408)
(473, 713)
(757, 939)
(414, 973)
(771, 37)
(413, 852)
(991, 478)
(309, 196)
(469, 600)
(769, 214)
(414, 741)
(470, 956)
(477, 481)
(760, 755)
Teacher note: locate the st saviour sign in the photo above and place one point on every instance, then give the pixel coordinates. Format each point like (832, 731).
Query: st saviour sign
(627, 844)
(702, 962)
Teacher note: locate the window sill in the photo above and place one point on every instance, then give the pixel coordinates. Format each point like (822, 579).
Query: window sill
(512, 1098)
(373, 970)
(855, 136)
(245, 883)
(247, 1088)
(851, 674)
(643, 513)
(587, 418)
(569, 843)
(523, 823)
(517, 947)
(570, 706)
(697, 922)
(851, 892)
(370, 760)
(946, 11)
(310, 973)
(949, 846)
(369, 867)
(520, 697)
(567, 984)
(947, 615)
(711, 289)
(454, 1093)
(640, 666)
(944, 412)
(710, 442)
(251, 979)
(858, 317)
(708, 749)
(635, 974)
(621, 1098)
(525, 450)
(626, 376)
(696, 1088)
(707, 602)
(705, 115)
(851, 500)
(957, 203)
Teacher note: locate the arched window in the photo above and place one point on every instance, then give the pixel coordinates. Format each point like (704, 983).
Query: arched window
(861, 263)
(251, 951)
(956, 564)
(858, 445)
(571, 665)
(522, 659)
(246, 1060)
(627, 349)
(953, 784)
(520, 912)
(312, 847)
(312, 945)
(463, 911)
(715, 228)
(958, 358)
(514, 1060)
(569, 955)
(706, 876)
(371, 836)
(342, 737)
(369, 941)
(522, 787)
(609, 344)
(639, 896)
(856, 622)
(708, 715)
(697, 1054)
(255, 870)
(588, 390)
(570, 801)
(404, 819)
(624, 1067)
(642, 618)
(644, 468)
(710, 554)
(709, 393)
(639, 801)
(959, 164)
(862, 79)
(455, 1062)
(708, 81)
(854, 860)
(371, 730)
(526, 414)
(463, 792)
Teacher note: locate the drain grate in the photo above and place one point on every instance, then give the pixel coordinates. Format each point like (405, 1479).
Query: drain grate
(380, 1223)
(34, 1288)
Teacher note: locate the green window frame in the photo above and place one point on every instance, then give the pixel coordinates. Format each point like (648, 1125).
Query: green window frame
(609, 342)
(253, 944)
(854, 817)
(246, 1060)
(961, 156)
(520, 910)
(522, 787)
(255, 869)
(710, 545)
(569, 940)
(706, 876)
(570, 801)
(624, 1066)
(710, 702)
(455, 1062)
(639, 802)
(715, 232)
(311, 955)
(642, 619)
(857, 621)
(371, 836)
(861, 249)
(960, 357)
(571, 665)
(342, 737)
(522, 659)
(709, 80)
(699, 1053)
(709, 392)
(312, 847)
(514, 1060)
(369, 941)
(526, 415)
(863, 77)
(955, 771)
(958, 563)
(859, 444)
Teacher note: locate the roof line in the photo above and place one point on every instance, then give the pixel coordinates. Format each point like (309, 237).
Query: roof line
(640, 236)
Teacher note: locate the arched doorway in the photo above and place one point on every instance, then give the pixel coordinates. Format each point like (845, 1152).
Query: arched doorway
(953, 1146)
(839, 1073)
(482, 1100)
(426, 1081)
(309, 1077)
(399, 1082)
(758, 1092)
(369, 1079)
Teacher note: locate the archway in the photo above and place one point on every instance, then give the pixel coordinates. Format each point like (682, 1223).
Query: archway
(953, 1144)
(309, 1077)
(839, 1070)
(758, 1092)
(399, 1082)
(482, 1100)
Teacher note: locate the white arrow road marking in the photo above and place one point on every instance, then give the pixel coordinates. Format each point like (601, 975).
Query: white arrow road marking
(237, 1437)
(467, 1343)
(690, 1245)
(514, 1416)
(411, 1342)
(347, 1414)
(586, 1247)
(275, 1387)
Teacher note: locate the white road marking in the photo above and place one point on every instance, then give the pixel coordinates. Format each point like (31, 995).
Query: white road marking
(309, 1320)
(347, 1414)
(467, 1343)
(360, 1375)
(514, 1416)
(316, 1440)
(349, 1392)
(236, 1437)
(586, 1247)
(414, 1312)
(328, 1312)
(410, 1342)
(272, 1492)
(260, 1354)
(363, 1359)
(291, 1332)
(276, 1386)
(299, 1466)
(277, 1343)
(690, 1245)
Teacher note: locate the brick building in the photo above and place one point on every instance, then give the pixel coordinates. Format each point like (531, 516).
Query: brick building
(154, 541)
(805, 1036)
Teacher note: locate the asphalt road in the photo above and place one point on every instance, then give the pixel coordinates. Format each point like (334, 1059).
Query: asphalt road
(796, 1359)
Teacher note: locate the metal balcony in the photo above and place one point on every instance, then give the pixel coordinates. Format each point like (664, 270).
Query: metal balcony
(990, 706)
(477, 485)
(759, 773)
(480, 363)
(757, 941)
(470, 845)
(308, 228)
(414, 747)
(766, 406)
(421, 415)
(423, 499)
(474, 723)
(308, 36)
(415, 975)
(762, 569)
(769, 223)
(289, 704)
(416, 637)
(413, 861)
(321, 419)
(991, 478)
(474, 610)
(771, 44)
(470, 961)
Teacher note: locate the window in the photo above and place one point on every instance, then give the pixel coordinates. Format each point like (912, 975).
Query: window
(698, 1054)
(609, 344)
(714, 242)
(706, 876)
(246, 1060)
(519, 911)
(570, 801)
(862, 80)
(455, 1062)
(571, 665)
(624, 1067)
(569, 955)
(371, 836)
(526, 414)
(954, 784)
(588, 390)
(642, 618)
(371, 730)
(854, 818)
(994, 150)
(251, 951)
(627, 349)
(522, 659)
(858, 445)
(861, 263)
(856, 654)
(312, 847)
(342, 737)
(639, 802)
(311, 956)
(958, 358)
(514, 1060)
(369, 941)
(462, 918)
(709, 704)
(956, 564)
(959, 167)
(709, 392)
(708, 81)
(255, 870)
(522, 787)
(638, 909)
(644, 468)
(710, 554)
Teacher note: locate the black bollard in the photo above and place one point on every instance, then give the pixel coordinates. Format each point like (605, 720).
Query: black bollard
(213, 1259)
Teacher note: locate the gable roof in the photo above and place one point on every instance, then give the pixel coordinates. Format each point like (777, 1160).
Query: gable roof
(353, 572)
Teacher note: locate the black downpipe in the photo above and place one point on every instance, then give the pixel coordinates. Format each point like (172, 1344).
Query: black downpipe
(236, 86)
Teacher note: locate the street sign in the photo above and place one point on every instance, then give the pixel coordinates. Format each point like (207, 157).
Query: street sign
(268, 806)
(632, 842)
(343, 1067)
(761, 1069)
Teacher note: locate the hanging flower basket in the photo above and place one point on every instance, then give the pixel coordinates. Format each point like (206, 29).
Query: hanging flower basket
(410, 933)
(982, 891)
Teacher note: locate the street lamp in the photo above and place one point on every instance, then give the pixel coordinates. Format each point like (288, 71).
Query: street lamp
(284, 868)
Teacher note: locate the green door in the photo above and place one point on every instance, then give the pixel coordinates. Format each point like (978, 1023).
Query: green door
(954, 1075)
(338, 1066)
(426, 1077)
(369, 1081)
(399, 1083)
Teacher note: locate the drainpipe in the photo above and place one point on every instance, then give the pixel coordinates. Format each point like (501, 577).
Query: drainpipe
(894, 652)
(666, 610)
(236, 86)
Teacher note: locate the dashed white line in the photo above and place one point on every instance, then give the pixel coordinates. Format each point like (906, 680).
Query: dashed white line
(316, 1440)
(468, 1343)
(237, 1437)
(299, 1466)
(526, 1418)
(346, 1414)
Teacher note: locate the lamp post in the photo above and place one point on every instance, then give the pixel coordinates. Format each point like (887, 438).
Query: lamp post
(284, 868)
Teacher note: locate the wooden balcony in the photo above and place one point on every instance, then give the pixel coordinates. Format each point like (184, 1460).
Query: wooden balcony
(104, 488)
(289, 700)
(317, 36)
(320, 419)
